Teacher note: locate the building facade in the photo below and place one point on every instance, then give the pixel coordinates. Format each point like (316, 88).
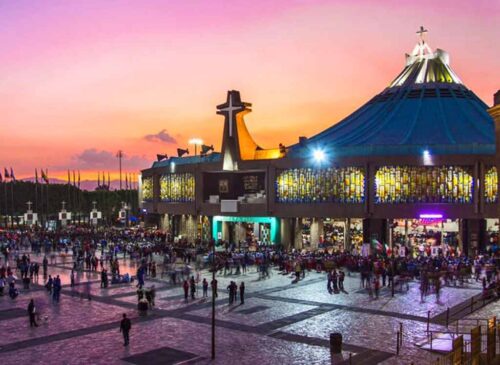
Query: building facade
(417, 163)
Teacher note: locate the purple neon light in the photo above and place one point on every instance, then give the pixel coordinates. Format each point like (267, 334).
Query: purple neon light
(431, 216)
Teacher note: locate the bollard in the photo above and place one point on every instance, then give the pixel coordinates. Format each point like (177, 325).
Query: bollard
(350, 358)
(397, 343)
(447, 315)
(335, 343)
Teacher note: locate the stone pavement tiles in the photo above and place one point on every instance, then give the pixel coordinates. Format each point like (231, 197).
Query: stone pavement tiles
(280, 322)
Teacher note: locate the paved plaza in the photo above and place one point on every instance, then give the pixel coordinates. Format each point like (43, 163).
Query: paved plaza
(280, 322)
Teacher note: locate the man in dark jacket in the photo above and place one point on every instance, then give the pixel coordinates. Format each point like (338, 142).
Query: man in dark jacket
(31, 313)
(125, 326)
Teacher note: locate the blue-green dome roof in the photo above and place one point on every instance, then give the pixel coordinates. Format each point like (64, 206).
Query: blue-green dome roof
(425, 108)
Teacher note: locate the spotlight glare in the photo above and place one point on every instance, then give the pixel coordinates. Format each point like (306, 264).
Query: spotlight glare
(319, 155)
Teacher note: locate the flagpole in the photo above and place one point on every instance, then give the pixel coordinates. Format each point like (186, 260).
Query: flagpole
(48, 210)
(12, 200)
(36, 191)
(6, 204)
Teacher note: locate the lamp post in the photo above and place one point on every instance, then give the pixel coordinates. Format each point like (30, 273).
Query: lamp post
(213, 300)
(197, 142)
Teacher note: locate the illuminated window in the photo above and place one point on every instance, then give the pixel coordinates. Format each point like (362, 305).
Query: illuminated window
(177, 188)
(147, 188)
(491, 185)
(334, 185)
(423, 184)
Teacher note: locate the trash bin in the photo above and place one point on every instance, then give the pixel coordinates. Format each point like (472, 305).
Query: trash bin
(335, 343)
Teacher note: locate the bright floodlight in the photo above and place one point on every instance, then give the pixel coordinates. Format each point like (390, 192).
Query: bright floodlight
(319, 155)
(427, 157)
(196, 141)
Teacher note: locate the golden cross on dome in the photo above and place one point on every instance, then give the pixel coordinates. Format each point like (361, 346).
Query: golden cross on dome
(421, 32)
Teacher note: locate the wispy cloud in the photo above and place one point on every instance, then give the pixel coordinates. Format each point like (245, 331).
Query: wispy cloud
(161, 136)
(93, 158)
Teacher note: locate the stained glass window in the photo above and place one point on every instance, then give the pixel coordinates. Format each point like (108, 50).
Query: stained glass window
(491, 185)
(147, 188)
(423, 184)
(334, 185)
(177, 188)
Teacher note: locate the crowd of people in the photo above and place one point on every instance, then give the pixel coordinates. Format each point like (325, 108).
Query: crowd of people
(156, 256)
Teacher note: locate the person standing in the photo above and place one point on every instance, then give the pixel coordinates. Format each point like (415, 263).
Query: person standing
(205, 288)
(31, 313)
(230, 288)
(185, 286)
(45, 265)
(214, 287)
(242, 293)
(125, 326)
(192, 284)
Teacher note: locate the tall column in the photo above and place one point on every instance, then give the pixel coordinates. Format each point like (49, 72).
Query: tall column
(347, 235)
(165, 222)
(495, 114)
(374, 229)
(474, 235)
(317, 230)
(225, 231)
(297, 234)
(240, 232)
(286, 232)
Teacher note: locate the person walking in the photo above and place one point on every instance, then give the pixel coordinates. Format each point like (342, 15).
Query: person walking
(242, 293)
(125, 326)
(31, 313)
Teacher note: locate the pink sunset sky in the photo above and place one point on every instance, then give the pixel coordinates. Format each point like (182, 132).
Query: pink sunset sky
(82, 79)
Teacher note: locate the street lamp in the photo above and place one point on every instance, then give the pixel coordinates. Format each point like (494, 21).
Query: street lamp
(197, 142)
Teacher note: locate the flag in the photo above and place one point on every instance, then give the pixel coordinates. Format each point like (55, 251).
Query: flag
(6, 173)
(78, 179)
(36, 176)
(12, 175)
(377, 245)
(45, 178)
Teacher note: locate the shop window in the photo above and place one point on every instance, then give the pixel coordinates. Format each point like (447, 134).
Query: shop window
(177, 188)
(491, 185)
(331, 185)
(423, 184)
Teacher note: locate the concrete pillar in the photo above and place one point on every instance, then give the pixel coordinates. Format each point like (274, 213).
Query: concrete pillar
(374, 229)
(495, 114)
(474, 235)
(347, 234)
(240, 232)
(317, 230)
(225, 231)
(165, 222)
(297, 234)
(286, 232)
